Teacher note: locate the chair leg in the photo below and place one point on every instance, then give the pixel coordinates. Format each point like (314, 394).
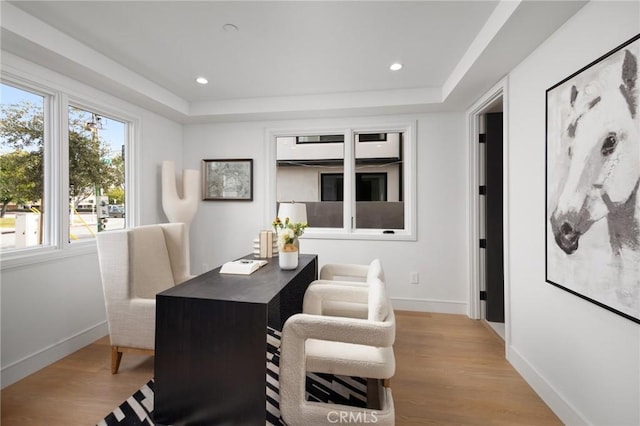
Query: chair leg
(375, 390)
(374, 394)
(116, 357)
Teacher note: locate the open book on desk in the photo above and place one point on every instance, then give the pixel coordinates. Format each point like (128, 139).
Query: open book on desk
(242, 266)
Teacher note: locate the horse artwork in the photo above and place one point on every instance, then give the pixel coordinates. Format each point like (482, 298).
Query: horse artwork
(592, 179)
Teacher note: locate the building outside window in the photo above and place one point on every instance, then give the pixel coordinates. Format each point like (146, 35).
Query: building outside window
(301, 160)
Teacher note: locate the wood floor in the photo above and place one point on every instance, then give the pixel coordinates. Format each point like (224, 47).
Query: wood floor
(450, 371)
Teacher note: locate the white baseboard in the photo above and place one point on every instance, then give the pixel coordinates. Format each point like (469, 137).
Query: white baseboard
(21, 368)
(567, 413)
(430, 305)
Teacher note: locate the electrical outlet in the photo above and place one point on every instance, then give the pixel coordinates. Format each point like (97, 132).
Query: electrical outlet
(414, 278)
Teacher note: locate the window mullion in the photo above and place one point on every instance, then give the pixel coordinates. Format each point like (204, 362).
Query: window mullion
(48, 164)
(51, 171)
(349, 182)
(61, 173)
(131, 177)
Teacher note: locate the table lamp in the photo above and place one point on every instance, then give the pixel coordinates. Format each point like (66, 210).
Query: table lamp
(296, 212)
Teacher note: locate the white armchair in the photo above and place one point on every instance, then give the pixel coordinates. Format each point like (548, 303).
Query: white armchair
(135, 265)
(351, 275)
(341, 346)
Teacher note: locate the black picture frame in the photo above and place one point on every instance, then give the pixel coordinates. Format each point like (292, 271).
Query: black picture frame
(227, 180)
(592, 173)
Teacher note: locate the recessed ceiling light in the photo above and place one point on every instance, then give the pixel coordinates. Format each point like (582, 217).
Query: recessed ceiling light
(201, 80)
(230, 28)
(395, 66)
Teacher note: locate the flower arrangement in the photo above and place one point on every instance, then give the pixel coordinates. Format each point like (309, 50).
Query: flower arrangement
(287, 233)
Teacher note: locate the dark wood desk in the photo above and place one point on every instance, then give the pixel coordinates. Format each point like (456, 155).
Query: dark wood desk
(211, 342)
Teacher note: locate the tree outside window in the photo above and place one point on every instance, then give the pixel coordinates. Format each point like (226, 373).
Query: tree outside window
(21, 168)
(96, 172)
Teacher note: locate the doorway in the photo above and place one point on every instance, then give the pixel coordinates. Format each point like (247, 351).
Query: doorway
(489, 286)
(490, 216)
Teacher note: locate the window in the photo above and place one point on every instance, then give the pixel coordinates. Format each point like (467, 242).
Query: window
(379, 190)
(364, 188)
(22, 154)
(62, 175)
(369, 187)
(331, 185)
(320, 139)
(96, 173)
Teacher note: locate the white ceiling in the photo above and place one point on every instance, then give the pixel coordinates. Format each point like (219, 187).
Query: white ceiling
(287, 58)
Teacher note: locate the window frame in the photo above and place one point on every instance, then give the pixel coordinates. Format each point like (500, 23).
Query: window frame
(81, 103)
(56, 244)
(348, 231)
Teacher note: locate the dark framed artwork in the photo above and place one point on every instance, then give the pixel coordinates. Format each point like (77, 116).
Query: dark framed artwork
(227, 180)
(592, 175)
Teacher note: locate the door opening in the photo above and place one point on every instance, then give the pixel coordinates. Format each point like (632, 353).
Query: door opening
(490, 215)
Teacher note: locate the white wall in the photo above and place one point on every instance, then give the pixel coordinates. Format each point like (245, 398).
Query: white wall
(583, 359)
(226, 229)
(53, 308)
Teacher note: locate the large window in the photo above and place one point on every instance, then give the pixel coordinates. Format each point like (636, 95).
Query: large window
(22, 157)
(62, 170)
(364, 188)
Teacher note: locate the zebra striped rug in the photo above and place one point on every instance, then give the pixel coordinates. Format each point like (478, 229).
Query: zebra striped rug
(138, 409)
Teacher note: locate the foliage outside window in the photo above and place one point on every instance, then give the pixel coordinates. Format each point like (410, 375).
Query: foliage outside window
(22, 151)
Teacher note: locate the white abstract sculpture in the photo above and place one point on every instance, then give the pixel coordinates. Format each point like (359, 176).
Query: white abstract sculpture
(180, 209)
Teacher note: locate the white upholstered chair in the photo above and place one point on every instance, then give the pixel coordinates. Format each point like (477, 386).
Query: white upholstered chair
(135, 265)
(337, 345)
(352, 275)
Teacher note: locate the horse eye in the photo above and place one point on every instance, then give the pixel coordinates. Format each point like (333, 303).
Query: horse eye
(609, 144)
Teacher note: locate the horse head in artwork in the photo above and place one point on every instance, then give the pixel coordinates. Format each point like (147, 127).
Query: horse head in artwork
(602, 142)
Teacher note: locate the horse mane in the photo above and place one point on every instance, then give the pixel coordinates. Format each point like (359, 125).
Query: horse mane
(622, 223)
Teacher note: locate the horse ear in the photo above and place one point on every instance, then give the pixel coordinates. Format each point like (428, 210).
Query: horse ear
(629, 79)
(574, 95)
(629, 70)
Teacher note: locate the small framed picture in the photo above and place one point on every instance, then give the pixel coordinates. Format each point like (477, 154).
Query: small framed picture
(227, 180)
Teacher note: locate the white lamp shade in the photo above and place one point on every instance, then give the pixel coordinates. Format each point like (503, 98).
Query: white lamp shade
(296, 212)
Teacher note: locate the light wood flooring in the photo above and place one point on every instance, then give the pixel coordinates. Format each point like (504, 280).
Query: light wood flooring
(450, 371)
